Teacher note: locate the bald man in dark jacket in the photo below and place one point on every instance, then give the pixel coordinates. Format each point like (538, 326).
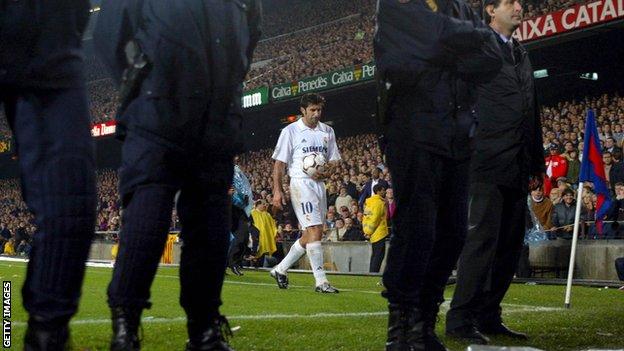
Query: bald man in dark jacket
(429, 54)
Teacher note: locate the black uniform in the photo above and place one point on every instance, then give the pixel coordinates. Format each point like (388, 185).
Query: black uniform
(427, 59)
(43, 91)
(508, 150)
(240, 230)
(180, 134)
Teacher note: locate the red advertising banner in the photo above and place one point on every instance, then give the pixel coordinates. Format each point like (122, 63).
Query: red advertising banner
(572, 18)
(103, 129)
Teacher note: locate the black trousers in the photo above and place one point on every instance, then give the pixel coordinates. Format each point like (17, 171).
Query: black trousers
(377, 256)
(429, 224)
(55, 149)
(489, 259)
(150, 175)
(240, 229)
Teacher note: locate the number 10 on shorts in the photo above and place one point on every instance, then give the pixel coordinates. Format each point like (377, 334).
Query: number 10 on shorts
(306, 207)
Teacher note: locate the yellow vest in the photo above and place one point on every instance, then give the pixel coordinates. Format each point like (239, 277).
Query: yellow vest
(375, 223)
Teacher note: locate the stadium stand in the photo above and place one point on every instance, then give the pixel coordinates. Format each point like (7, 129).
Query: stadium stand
(562, 126)
(319, 37)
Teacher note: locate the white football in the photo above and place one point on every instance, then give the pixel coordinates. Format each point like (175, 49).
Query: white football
(313, 163)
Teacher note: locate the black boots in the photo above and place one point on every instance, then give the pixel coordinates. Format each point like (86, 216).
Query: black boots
(405, 329)
(208, 335)
(46, 336)
(432, 342)
(125, 329)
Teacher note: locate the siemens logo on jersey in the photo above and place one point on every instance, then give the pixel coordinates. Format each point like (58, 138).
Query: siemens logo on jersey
(314, 149)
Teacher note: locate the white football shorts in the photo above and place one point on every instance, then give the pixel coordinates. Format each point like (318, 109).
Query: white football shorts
(309, 200)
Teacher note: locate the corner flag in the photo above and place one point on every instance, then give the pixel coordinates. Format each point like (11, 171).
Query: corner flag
(592, 169)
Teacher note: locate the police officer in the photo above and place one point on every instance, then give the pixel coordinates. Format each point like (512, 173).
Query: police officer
(508, 152)
(189, 59)
(44, 95)
(428, 53)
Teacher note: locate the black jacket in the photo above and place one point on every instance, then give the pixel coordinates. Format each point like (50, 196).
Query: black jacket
(616, 174)
(508, 141)
(41, 43)
(427, 62)
(353, 234)
(563, 215)
(200, 53)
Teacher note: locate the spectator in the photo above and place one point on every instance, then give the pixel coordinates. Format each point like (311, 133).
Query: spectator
(289, 233)
(21, 233)
(563, 215)
(267, 227)
(616, 173)
(562, 184)
(343, 199)
(610, 145)
(5, 233)
(607, 160)
(23, 249)
(9, 247)
(350, 186)
(618, 135)
(341, 229)
(555, 196)
(574, 167)
(556, 166)
(352, 233)
(332, 194)
(367, 190)
(542, 207)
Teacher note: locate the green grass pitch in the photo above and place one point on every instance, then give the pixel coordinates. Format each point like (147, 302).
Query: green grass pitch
(300, 319)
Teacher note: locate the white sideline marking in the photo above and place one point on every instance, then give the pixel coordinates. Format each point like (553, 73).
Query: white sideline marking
(511, 308)
(152, 320)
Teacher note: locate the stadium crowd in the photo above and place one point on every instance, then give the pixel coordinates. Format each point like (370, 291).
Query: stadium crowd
(553, 203)
(305, 43)
(312, 52)
(563, 133)
(320, 37)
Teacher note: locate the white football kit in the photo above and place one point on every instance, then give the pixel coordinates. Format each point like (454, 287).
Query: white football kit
(308, 196)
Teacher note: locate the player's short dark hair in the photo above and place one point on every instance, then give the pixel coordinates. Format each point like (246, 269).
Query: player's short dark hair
(311, 99)
(486, 16)
(378, 187)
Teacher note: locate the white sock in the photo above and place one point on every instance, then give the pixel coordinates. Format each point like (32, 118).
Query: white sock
(295, 253)
(315, 255)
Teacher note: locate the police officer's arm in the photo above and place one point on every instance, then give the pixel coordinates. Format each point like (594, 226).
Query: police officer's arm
(414, 31)
(115, 27)
(254, 19)
(538, 168)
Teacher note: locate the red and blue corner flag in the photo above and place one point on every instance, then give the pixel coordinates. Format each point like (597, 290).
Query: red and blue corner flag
(592, 169)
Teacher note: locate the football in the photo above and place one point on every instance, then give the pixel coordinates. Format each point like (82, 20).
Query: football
(313, 163)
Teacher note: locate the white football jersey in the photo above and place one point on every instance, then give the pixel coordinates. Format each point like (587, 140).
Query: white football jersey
(298, 140)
